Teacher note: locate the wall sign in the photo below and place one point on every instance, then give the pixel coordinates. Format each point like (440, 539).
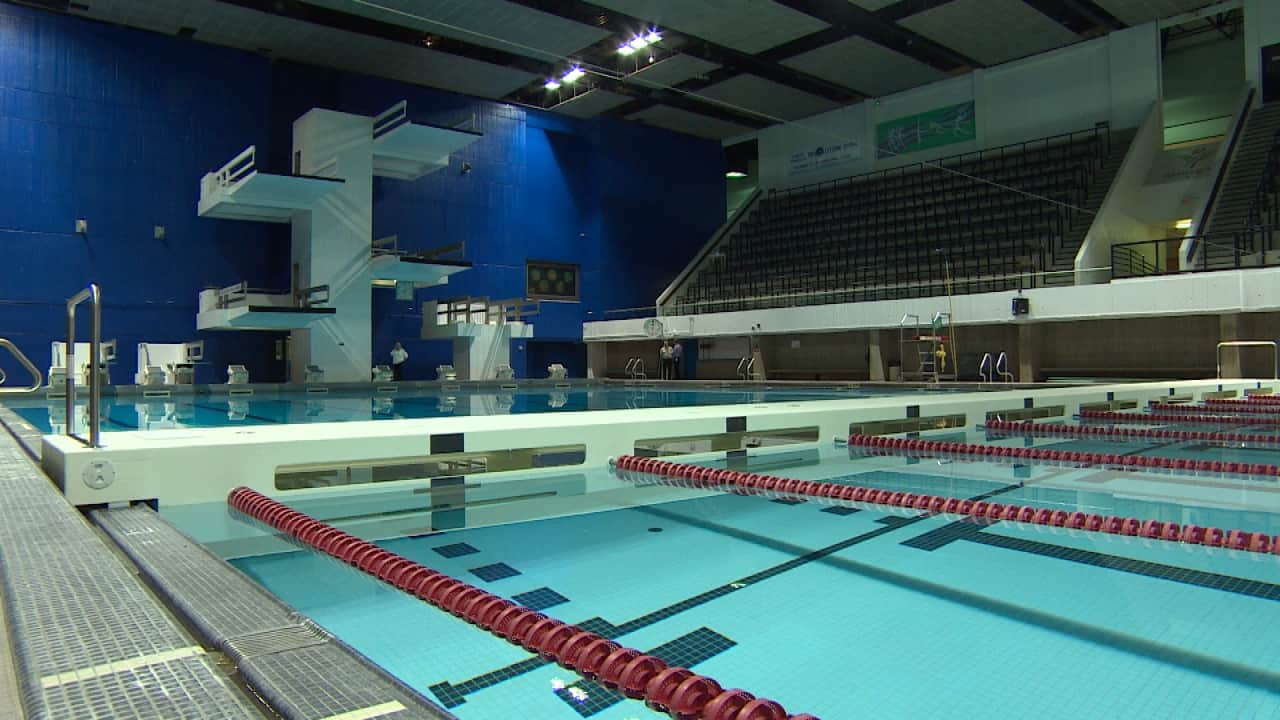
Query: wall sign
(551, 280)
(823, 157)
(934, 128)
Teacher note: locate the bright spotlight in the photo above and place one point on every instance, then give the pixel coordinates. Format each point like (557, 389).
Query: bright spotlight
(735, 174)
(575, 73)
(652, 37)
(552, 84)
(1183, 224)
(625, 50)
(638, 43)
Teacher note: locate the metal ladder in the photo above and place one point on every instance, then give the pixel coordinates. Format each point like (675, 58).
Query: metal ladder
(987, 369)
(1002, 367)
(745, 367)
(635, 369)
(92, 295)
(37, 380)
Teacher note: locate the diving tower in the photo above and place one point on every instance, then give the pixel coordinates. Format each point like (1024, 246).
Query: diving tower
(327, 199)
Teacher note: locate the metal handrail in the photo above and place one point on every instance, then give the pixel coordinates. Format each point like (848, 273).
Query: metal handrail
(1003, 362)
(984, 369)
(1275, 353)
(739, 371)
(746, 375)
(721, 233)
(37, 379)
(93, 295)
(1207, 209)
(631, 363)
(637, 372)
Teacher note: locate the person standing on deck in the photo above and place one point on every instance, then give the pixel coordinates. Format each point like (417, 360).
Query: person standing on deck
(398, 357)
(664, 361)
(677, 353)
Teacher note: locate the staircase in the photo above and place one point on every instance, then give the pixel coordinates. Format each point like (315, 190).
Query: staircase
(1231, 211)
(1064, 256)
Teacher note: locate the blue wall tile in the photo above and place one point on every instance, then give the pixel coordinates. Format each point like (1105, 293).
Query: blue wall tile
(117, 126)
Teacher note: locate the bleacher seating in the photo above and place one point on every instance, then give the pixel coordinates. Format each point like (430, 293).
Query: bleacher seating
(890, 234)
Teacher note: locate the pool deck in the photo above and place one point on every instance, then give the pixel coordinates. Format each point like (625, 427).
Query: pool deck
(87, 638)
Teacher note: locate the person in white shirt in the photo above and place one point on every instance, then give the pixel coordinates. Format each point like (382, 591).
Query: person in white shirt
(398, 357)
(664, 357)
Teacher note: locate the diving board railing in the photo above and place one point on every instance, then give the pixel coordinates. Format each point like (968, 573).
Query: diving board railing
(92, 295)
(1275, 353)
(394, 117)
(237, 169)
(37, 380)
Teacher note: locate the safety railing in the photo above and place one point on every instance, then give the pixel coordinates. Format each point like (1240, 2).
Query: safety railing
(390, 245)
(238, 168)
(1245, 248)
(1264, 210)
(1275, 353)
(1002, 367)
(92, 295)
(1233, 139)
(37, 380)
(985, 367)
(392, 118)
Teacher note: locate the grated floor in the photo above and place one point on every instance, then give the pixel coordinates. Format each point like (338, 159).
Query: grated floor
(88, 641)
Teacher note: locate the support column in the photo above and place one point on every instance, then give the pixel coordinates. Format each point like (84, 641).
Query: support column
(1028, 353)
(1229, 328)
(877, 344)
(597, 360)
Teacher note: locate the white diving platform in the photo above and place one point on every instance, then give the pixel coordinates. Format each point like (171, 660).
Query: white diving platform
(238, 191)
(236, 308)
(406, 151)
(420, 271)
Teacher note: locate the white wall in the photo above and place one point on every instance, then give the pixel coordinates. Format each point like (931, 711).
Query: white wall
(1115, 222)
(1109, 79)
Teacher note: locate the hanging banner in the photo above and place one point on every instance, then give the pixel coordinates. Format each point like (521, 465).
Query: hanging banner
(824, 157)
(934, 128)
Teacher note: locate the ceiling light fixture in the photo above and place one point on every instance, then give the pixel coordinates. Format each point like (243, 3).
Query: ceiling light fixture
(1183, 224)
(552, 84)
(735, 174)
(625, 50)
(575, 73)
(639, 42)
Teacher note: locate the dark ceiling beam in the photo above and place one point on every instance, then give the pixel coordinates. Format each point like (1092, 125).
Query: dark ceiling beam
(1082, 17)
(349, 22)
(859, 21)
(624, 25)
(907, 8)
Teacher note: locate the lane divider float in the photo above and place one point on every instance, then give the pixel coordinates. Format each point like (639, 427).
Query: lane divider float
(677, 691)
(1168, 418)
(733, 480)
(1100, 432)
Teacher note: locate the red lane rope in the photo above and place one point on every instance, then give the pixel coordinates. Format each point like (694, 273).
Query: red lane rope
(676, 691)
(1251, 406)
(1230, 407)
(1155, 529)
(1027, 427)
(1165, 418)
(1251, 399)
(896, 446)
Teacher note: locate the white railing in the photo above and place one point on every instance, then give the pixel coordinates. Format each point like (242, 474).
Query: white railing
(984, 367)
(1275, 353)
(239, 168)
(391, 119)
(1002, 367)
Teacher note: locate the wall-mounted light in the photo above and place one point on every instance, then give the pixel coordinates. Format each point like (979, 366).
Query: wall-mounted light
(1183, 224)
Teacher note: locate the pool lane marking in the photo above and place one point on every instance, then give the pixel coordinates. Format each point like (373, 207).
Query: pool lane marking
(119, 666)
(227, 409)
(452, 695)
(367, 713)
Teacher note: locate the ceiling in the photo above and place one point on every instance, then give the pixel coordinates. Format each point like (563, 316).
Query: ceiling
(723, 67)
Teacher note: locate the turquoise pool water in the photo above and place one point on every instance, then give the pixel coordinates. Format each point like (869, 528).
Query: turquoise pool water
(121, 413)
(857, 611)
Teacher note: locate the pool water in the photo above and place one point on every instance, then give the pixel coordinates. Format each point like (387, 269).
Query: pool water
(849, 611)
(119, 413)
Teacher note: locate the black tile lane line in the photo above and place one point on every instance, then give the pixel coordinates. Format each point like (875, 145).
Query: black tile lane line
(685, 651)
(451, 695)
(972, 531)
(227, 409)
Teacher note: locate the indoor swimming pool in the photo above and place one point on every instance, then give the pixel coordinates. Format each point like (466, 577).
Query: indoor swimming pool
(124, 413)
(837, 608)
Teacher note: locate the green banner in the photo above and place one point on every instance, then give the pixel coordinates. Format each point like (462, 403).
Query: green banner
(934, 128)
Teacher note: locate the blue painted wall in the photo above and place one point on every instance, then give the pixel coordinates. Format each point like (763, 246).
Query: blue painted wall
(116, 126)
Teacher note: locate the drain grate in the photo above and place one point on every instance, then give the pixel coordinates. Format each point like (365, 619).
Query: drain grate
(272, 641)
